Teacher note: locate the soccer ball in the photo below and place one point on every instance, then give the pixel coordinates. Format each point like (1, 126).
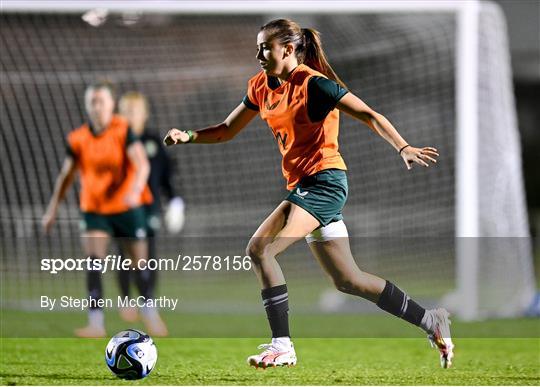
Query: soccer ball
(131, 354)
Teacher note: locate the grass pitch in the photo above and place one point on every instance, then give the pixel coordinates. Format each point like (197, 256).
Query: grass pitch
(321, 362)
(498, 352)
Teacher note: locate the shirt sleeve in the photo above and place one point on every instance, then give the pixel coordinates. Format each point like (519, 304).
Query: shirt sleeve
(250, 100)
(250, 104)
(323, 96)
(70, 149)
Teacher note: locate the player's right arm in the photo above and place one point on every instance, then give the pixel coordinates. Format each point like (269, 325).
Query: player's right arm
(63, 182)
(225, 131)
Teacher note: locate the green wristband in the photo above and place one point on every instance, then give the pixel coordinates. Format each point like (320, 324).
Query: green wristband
(191, 135)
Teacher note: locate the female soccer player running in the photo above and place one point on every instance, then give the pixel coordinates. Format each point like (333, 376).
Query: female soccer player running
(297, 93)
(114, 170)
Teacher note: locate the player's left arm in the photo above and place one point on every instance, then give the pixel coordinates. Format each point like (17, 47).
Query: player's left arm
(358, 109)
(137, 156)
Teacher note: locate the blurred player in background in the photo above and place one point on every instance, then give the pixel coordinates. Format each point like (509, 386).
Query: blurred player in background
(113, 170)
(134, 107)
(297, 93)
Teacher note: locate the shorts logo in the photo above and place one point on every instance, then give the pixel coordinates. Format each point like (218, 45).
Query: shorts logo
(140, 233)
(300, 193)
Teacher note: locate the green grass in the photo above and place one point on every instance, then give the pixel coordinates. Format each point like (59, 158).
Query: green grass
(206, 350)
(321, 362)
(24, 324)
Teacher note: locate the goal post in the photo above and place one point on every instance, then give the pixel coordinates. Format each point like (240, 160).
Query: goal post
(489, 218)
(467, 149)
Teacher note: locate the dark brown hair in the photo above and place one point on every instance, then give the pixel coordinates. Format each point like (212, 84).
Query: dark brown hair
(307, 44)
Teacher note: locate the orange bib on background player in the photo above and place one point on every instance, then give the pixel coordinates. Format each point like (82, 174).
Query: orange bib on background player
(307, 147)
(106, 173)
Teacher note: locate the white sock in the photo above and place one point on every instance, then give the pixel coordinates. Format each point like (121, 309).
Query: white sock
(149, 312)
(96, 318)
(428, 321)
(282, 342)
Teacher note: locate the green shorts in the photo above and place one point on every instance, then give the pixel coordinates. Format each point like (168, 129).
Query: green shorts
(322, 194)
(128, 224)
(153, 220)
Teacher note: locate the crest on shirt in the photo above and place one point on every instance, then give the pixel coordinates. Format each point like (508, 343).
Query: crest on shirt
(271, 106)
(151, 148)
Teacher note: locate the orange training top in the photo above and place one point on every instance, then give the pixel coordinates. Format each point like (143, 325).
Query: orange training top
(307, 147)
(106, 173)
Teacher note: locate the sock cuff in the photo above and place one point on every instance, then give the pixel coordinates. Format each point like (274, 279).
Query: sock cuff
(276, 304)
(283, 342)
(273, 291)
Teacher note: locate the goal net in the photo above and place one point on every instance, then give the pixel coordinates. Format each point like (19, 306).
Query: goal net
(194, 69)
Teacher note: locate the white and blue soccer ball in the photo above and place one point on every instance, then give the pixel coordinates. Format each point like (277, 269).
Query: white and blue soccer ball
(131, 354)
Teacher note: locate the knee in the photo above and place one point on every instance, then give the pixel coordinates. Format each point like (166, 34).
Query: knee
(256, 250)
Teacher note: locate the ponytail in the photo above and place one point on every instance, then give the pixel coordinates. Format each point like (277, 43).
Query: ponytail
(314, 56)
(307, 44)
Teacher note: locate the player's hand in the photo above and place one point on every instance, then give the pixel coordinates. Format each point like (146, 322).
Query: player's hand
(47, 221)
(132, 199)
(421, 156)
(176, 136)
